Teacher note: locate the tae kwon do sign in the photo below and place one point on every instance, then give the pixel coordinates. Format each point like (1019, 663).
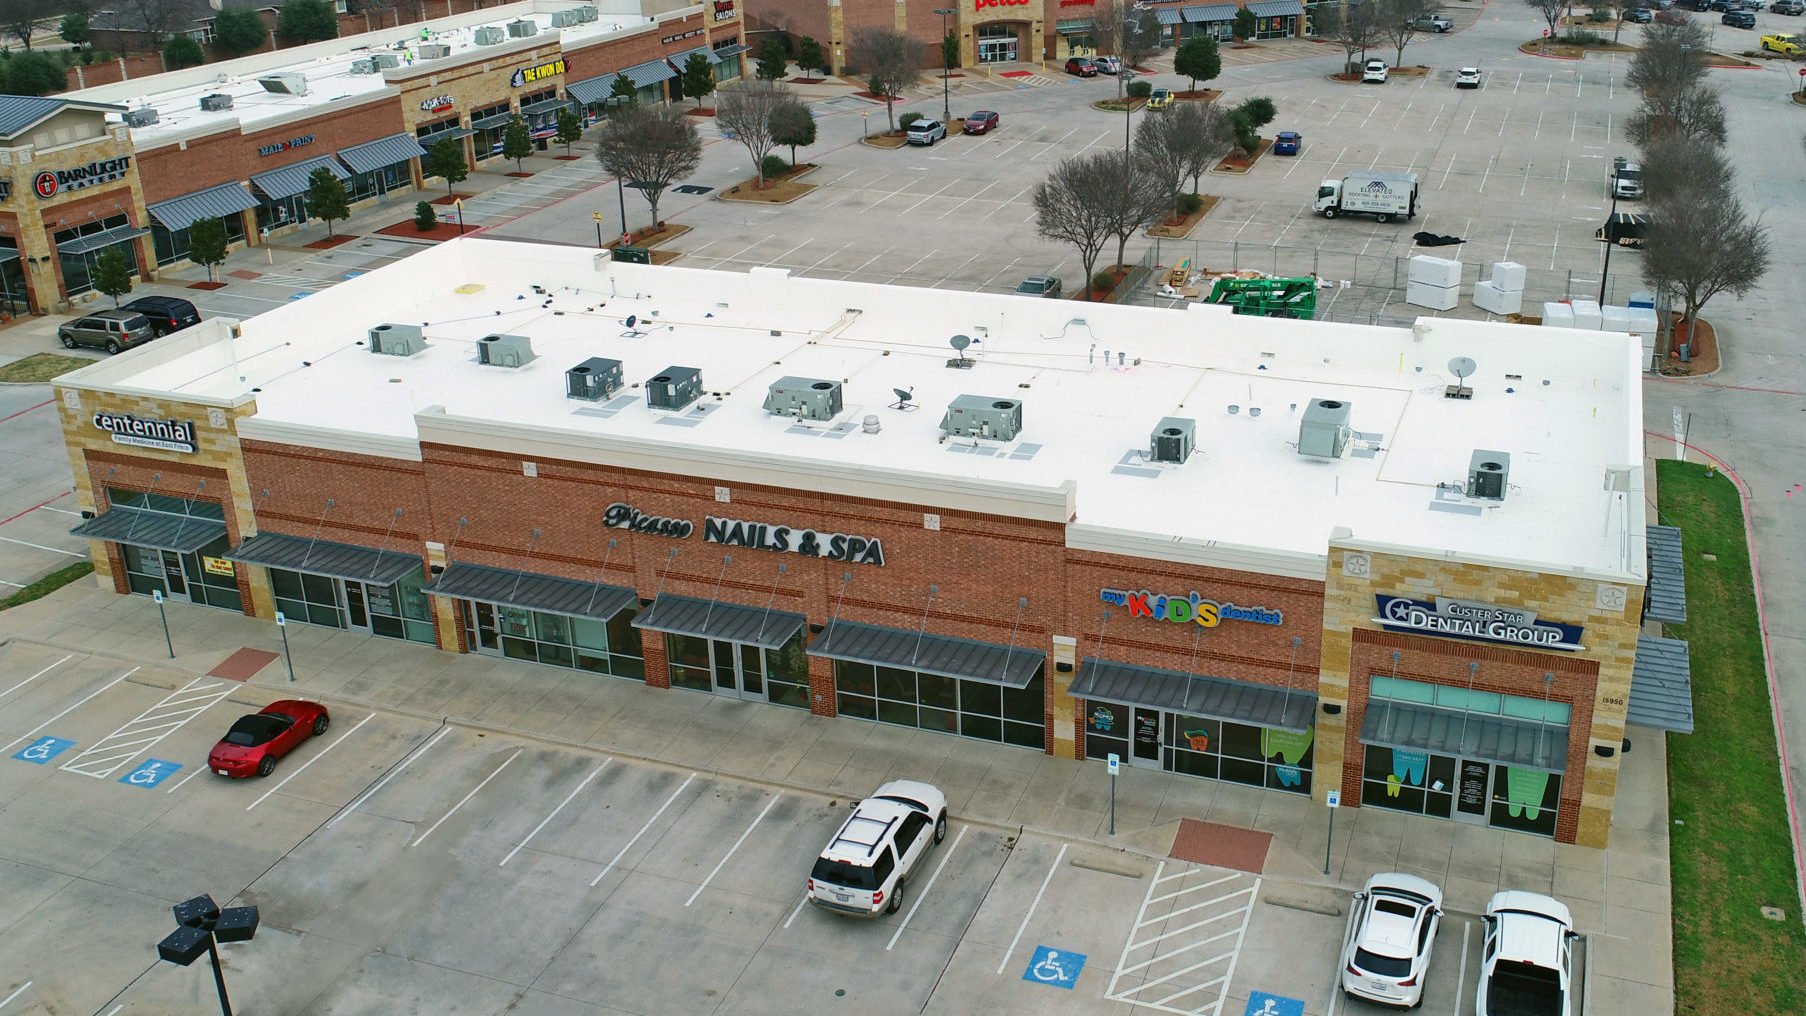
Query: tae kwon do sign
(1479, 622)
(787, 540)
(169, 435)
(1192, 609)
(537, 72)
(52, 182)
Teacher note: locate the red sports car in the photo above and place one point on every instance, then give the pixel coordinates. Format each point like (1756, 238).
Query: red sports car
(255, 742)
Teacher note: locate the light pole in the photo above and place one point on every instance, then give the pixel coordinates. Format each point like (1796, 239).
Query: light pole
(203, 924)
(1128, 105)
(946, 65)
(1610, 242)
(612, 103)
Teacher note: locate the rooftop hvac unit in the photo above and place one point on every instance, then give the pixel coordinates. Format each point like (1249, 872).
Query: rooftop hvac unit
(489, 35)
(1173, 439)
(566, 19)
(141, 117)
(588, 13)
(363, 66)
(522, 29)
(1324, 431)
(433, 50)
(284, 83)
(387, 61)
(805, 398)
(983, 416)
(216, 102)
(505, 350)
(674, 388)
(397, 340)
(1487, 474)
(593, 380)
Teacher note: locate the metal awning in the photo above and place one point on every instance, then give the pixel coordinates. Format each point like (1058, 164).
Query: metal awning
(591, 89)
(320, 557)
(492, 121)
(1075, 26)
(713, 619)
(1484, 736)
(183, 534)
(1275, 8)
(1166, 15)
(1215, 698)
(374, 155)
(1661, 686)
(729, 52)
(1010, 666)
(546, 593)
(1665, 599)
(649, 73)
(213, 203)
(449, 134)
(1202, 13)
(97, 241)
(8, 254)
(544, 106)
(677, 62)
(292, 180)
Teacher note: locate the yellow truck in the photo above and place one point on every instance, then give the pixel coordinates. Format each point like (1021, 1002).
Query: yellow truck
(1784, 43)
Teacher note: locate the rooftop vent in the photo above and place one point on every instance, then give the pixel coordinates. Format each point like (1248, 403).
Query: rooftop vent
(397, 340)
(587, 12)
(1324, 431)
(1173, 439)
(284, 83)
(505, 350)
(674, 388)
(983, 416)
(387, 61)
(432, 50)
(216, 102)
(593, 380)
(1487, 474)
(489, 35)
(520, 29)
(805, 398)
(566, 19)
(363, 66)
(144, 116)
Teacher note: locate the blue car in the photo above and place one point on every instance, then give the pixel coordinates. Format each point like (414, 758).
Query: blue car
(1287, 143)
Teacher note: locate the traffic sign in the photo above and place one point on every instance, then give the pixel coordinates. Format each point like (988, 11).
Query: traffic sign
(43, 750)
(1055, 968)
(1115, 763)
(150, 772)
(1334, 799)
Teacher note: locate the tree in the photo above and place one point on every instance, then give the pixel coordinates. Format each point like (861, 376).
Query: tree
(1140, 196)
(446, 158)
(1140, 36)
(326, 198)
(698, 78)
(517, 142)
(181, 51)
(1398, 22)
(1355, 27)
(35, 74)
(1551, 12)
(792, 124)
(774, 61)
(809, 56)
(19, 18)
(1070, 206)
(1106, 27)
(1695, 112)
(308, 20)
(949, 52)
(894, 61)
(1701, 241)
(1247, 118)
(652, 147)
(424, 216)
(622, 87)
(746, 112)
(1198, 59)
(570, 129)
(1245, 25)
(112, 273)
(239, 30)
(74, 29)
(207, 245)
(155, 18)
(1182, 144)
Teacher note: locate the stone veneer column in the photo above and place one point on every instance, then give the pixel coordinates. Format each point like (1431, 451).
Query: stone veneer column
(1059, 687)
(446, 628)
(837, 36)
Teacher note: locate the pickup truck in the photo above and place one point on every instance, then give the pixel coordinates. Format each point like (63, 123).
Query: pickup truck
(1784, 43)
(1432, 23)
(1625, 181)
(1527, 957)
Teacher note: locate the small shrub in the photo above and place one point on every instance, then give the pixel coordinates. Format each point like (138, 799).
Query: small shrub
(908, 118)
(1103, 282)
(424, 216)
(1140, 89)
(1582, 37)
(1601, 17)
(1189, 204)
(773, 166)
(1246, 138)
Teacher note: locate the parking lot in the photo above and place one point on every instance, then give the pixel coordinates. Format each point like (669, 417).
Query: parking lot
(406, 865)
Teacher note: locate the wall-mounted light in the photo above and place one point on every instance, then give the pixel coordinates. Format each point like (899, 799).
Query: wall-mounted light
(436, 569)
(1331, 708)
(1626, 748)
(816, 629)
(1063, 667)
(1604, 750)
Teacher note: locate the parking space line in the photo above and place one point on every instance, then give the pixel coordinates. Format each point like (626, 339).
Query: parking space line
(317, 757)
(948, 856)
(37, 675)
(1461, 977)
(542, 822)
(732, 849)
(1020, 928)
(467, 797)
(642, 832)
(33, 731)
(798, 910)
(8, 1000)
(39, 546)
(191, 775)
(106, 755)
(391, 774)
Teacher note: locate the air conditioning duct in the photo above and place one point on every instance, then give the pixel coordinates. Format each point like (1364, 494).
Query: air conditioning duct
(505, 350)
(1324, 431)
(397, 340)
(593, 380)
(1488, 475)
(983, 416)
(1173, 439)
(284, 83)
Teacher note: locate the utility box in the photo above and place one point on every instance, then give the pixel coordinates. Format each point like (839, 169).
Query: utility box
(1323, 433)
(397, 340)
(143, 116)
(1487, 475)
(522, 29)
(489, 35)
(432, 51)
(505, 350)
(386, 61)
(593, 380)
(674, 388)
(805, 398)
(1173, 439)
(633, 255)
(983, 416)
(284, 83)
(216, 102)
(566, 19)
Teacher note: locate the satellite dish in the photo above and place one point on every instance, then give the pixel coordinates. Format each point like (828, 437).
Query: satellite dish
(902, 395)
(960, 341)
(903, 399)
(631, 320)
(1462, 367)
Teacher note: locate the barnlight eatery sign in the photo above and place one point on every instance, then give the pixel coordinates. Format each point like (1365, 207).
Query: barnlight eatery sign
(1480, 622)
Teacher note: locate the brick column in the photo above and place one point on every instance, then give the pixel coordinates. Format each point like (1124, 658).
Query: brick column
(821, 686)
(658, 665)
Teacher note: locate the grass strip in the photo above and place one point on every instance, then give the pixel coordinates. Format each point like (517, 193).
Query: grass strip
(49, 584)
(40, 367)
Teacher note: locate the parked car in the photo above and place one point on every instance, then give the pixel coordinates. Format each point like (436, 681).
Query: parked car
(1432, 23)
(166, 313)
(1784, 43)
(925, 132)
(1720, 6)
(1639, 15)
(1526, 957)
(1287, 143)
(1160, 98)
(1047, 286)
(1467, 77)
(982, 122)
(1671, 17)
(1661, 5)
(874, 854)
(1107, 65)
(1739, 19)
(1374, 72)
(1082, 67)
(255, 742)
(111, 330)
(1391, 932)
(1793, 7)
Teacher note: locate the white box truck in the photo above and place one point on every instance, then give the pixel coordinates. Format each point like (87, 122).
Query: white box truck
(1379, 194)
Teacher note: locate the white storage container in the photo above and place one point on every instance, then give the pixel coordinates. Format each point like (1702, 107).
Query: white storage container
(1489, 297)
(1508, 276)
(1586, 315)
(1614, 319)
(1440, 272)
(1420, 294)
(1643, 320)
(1558, 315)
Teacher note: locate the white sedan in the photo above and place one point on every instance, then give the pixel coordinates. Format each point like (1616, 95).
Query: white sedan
(1391, 930)
(1467, 77)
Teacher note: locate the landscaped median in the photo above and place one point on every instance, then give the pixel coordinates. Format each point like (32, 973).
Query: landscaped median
(49, 584)
(1731, 854)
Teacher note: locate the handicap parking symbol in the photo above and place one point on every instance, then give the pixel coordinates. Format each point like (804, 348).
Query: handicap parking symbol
(150, 772)
(43, 750)
(1262, 1004)
(1053, 967)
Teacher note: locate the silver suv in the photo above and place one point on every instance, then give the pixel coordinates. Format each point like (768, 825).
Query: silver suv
(111, 330)
(925, 132)
(863, 869)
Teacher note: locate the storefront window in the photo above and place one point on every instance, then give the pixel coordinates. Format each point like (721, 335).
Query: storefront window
(727, 69)
(174, 246)
(274, 214)
(689, 659)
(787, 672)
(1404, 780)
(1107, 730)
(401, 611)
(975, 709)
(78, 268)
(488, 140)
(379, 181)
(427, 133)
(314, 599)
(1527, 800)
(12, 277)
(1238, 752)
(1398, 689)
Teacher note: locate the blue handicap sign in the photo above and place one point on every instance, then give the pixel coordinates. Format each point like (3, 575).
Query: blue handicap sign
(43, 750)
(292, 297)
(1262, 1004)
(150, 772)
(1054, 967)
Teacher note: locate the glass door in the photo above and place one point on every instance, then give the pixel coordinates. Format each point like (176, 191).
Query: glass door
(357, 612)
(739, 669)
(172, 574)
(1145, 738)
(486, 639)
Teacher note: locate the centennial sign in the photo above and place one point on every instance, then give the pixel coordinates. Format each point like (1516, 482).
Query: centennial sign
(1192, 609)
(788, 540)
(169, 435)
(625, 516)
(1480, 622)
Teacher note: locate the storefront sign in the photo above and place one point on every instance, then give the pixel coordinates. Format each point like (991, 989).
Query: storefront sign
(1193, 609)
(1481, 622)
(52, 182)
(437, 104)
(979, 5)
(724, 10)
(785, 540)
(216, 565)
(626, 516)
(538, 72)
(169, 435)
(681, 36)
(283, 146)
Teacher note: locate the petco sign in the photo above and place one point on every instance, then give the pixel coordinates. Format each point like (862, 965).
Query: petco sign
(979, 5)
(1481, 622)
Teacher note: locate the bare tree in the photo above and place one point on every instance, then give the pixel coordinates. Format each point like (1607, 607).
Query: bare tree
(1106, 26)
(1140, 197)
(154, 17)
(1069, 206)
(650, 147)
(1696, 112)
(891, 60)
(1354, 26)
(1671, 59)
(1397, 22)
(19, 18)
(1140, 36)
(1182, 144)
(1701, 241)
(745, 110)
(1668, 169)
(1550, 11)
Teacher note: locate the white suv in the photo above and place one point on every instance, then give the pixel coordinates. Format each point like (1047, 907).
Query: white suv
(863, 868)
(1374, 72)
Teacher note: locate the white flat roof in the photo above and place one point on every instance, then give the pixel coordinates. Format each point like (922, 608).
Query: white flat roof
(1093, 381)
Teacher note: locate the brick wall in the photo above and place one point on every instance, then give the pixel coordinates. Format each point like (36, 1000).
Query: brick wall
(290, 485)
(172, 170)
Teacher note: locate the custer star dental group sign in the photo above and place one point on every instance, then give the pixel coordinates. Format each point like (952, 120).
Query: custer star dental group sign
(1478, 622)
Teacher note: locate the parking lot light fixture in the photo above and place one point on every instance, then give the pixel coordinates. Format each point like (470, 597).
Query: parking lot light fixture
(1128, 104)
(202, 925)
(946, 65)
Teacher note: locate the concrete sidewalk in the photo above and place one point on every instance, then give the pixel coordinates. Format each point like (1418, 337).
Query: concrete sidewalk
(1620, 896)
